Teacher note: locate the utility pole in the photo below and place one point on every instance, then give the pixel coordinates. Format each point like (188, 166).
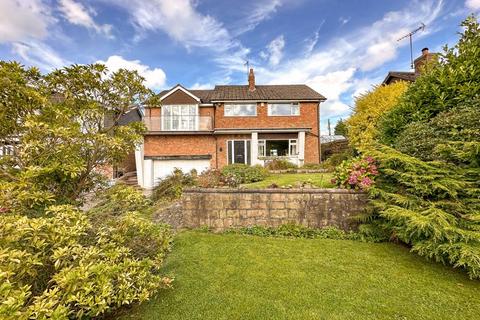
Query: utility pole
(329, 129)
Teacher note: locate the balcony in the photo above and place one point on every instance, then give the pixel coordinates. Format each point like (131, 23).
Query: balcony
(179, 123)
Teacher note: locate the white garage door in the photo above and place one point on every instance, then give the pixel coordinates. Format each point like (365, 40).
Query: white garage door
(162, 168)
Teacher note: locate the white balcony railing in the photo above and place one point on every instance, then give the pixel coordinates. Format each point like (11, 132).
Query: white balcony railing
(179, 123)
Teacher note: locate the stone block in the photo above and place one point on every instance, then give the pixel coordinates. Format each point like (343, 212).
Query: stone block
(279, 213)
(277, 205)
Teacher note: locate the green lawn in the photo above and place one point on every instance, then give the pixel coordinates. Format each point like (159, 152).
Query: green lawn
(285, 179)
(246, 277)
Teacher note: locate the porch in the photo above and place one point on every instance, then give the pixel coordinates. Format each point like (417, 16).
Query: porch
(259, 147)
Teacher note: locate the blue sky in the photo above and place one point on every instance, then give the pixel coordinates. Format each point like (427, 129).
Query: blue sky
(339, 48)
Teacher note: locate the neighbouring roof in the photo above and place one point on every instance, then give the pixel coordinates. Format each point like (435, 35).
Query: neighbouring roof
(261, 93)
(328, 139)
(400, 75)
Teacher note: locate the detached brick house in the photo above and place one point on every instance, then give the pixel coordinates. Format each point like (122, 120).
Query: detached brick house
(250, 124)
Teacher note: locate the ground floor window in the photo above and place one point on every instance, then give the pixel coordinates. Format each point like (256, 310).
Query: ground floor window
(277, 148)
(238, 151)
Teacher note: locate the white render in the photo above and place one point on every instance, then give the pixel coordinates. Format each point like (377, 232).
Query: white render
(163, 168)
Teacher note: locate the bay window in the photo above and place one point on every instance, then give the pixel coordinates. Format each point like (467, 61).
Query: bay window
(277, 148)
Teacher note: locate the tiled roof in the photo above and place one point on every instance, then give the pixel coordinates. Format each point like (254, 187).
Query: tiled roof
(204, 95)
(265, 92)
(406, 76)
(261, 93)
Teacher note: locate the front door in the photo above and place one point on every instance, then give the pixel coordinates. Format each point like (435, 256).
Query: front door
(239, 151)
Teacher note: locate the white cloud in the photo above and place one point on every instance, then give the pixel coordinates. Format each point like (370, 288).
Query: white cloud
(274, 51)
(180, 20)
(154, 78)
(78, 14)
(39, 55)
(310, 43)
(473, 4)
(261, 11)
(333, 68)
(201, 86)
(23, 19)
(344, 20)
(183, 23)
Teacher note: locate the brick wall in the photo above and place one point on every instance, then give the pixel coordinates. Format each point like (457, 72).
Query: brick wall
(307, 118)
(171, 145)
(221, 209)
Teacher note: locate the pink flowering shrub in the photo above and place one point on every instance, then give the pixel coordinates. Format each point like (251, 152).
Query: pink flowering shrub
(357, 173)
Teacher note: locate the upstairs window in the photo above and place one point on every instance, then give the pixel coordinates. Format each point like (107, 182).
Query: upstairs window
(283, 109)
(179, 117)
(240, 110)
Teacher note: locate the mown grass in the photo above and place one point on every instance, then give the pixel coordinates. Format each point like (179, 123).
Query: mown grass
(321, 180)
(247, 277)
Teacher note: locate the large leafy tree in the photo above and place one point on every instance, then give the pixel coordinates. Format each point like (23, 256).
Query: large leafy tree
(362, 125)
(341, 128)
(69, 131)
(451, 82)
(428, 191)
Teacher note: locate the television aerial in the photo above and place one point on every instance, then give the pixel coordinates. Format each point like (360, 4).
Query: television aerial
(409, 35)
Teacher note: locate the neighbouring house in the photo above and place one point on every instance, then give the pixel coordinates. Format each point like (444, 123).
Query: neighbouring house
(250, 124)
(332, 144)
(128, 164)
(420, 64)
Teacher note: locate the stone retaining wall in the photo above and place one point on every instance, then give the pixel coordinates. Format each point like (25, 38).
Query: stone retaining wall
(221, 209)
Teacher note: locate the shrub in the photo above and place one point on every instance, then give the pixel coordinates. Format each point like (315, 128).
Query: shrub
(453, 136)
(337, 158)
(279, 164)
(432, 206)
(212, 178)
(118, 200)
(299, 231)
(314, 166)
(243, 173)
(171, 187)
(357, 173)
(448, 84)
(62, 266)
(362, 125)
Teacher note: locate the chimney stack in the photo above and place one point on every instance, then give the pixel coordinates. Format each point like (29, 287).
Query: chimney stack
(423, 62)
(251, 80)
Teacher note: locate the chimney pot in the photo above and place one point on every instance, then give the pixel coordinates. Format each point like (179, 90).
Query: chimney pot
(251, 80)
(425, 51)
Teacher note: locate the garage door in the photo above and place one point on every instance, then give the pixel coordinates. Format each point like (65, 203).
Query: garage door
(162, 168)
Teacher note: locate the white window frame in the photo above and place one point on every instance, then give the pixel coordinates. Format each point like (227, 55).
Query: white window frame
(292, 113)
(247, 155)
(262, 143)
(233, 105)
(191, 118)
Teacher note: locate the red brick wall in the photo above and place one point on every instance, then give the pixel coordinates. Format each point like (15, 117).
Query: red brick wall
(308, 118)
(222, 146)
(169, 145)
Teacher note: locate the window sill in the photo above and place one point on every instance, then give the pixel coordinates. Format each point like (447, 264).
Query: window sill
(277, 157)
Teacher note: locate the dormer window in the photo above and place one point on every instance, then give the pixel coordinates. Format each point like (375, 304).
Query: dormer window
(240, 110)
(283, 109)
